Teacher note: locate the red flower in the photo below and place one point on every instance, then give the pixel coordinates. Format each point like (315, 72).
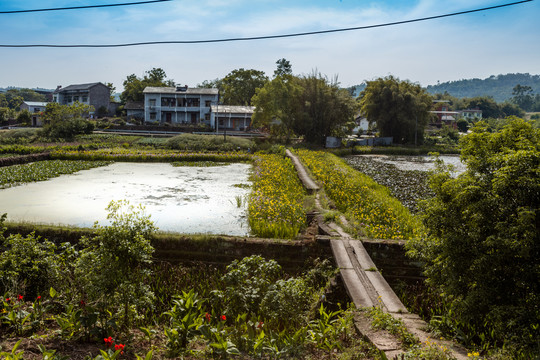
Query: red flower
(260, 325)
(223, 317)
(39, 297)
(82, 303)
(7, 299)
(119, 347)
(108, 341)
(20, 297)
(207, 316)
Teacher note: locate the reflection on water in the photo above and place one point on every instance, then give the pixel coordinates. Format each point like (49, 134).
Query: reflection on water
(179, 199)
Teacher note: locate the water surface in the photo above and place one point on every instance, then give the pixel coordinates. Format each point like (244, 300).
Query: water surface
(180, 199)
(421, 163)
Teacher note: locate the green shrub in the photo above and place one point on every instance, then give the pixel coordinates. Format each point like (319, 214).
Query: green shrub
(209, 143)
(286, 302)
(18, 136)
(113, 262)
(28, 266)
(246, 283)
(67, 129)
(484, 244)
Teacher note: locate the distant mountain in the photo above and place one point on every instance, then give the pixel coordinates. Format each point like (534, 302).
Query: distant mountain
(499, 87)
(355, 90)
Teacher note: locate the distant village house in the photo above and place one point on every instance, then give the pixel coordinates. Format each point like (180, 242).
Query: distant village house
(36, 108)
(441, 109)
(95, 94)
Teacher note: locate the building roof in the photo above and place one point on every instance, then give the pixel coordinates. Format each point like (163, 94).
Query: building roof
(77, 87)
(186, 90)
(35, 103)
(234, 109)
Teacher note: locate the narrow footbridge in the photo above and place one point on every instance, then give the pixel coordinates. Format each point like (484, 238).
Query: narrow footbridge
(367, 287)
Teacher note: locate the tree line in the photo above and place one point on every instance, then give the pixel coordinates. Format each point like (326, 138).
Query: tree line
(498, 87)
(313, 106)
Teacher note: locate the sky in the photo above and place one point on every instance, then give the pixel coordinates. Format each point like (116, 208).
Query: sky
(478, 45)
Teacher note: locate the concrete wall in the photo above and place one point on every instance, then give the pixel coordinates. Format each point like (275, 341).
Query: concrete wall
(390, 258)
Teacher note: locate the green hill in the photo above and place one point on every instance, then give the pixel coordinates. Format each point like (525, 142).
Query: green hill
(497, 86)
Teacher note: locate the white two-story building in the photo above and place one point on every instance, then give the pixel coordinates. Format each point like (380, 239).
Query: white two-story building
(179, 105)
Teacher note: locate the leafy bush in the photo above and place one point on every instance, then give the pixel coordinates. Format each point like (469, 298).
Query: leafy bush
(18, 136)
(483, 250)
(113, 261)
(27, 265)
(286, 302)
(67, 129)
(246, 283)
(195, 142)
(185, 318)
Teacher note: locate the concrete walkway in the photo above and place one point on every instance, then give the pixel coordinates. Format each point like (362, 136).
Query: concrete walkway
(367, 287)
(310, 185)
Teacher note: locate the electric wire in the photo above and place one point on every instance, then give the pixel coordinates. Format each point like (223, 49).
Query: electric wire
(82, 7)
(265, 37)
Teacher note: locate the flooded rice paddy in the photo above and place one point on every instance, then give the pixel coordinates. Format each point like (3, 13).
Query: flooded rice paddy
(208, 200)
(420, 163)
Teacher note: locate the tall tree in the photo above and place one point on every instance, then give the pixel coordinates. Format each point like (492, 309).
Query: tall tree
(399, 108)
(240, 85)
(134, 86)
(523, 96)
(327, 110)
(209, 84)
(284, 67)
(309, 106)
(276, 106)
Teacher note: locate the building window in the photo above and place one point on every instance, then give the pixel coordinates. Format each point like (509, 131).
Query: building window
(208, 103)
(153, 115)
(68, 99)
(36, 110)
(85, 99)
(152, 102)
(75, 98)
(207, 116)
(168, 102)
(193, 102)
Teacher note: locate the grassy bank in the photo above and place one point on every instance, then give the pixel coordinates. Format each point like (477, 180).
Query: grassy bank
(368, 206)
(140, 155)
(276, 202)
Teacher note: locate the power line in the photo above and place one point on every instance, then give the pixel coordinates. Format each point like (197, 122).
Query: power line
(267, 37)
(82, 7)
